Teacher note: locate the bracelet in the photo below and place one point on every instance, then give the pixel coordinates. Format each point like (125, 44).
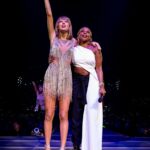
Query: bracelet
(101, 84)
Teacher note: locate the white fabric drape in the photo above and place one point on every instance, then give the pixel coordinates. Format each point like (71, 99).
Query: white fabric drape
(93, 111)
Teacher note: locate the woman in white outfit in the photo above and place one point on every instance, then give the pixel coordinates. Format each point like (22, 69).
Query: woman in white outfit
(87, 61)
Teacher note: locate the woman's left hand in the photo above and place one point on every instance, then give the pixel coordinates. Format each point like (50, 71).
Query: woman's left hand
(102, 91)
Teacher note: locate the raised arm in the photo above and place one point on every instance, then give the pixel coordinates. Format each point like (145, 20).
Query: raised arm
(36, 108)
(35, 87)
(50, 22)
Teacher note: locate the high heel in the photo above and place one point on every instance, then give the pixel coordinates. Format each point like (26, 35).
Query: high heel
(47, 147)
(62, 148)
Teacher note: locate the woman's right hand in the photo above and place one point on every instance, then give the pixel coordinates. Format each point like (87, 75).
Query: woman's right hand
(52, 59)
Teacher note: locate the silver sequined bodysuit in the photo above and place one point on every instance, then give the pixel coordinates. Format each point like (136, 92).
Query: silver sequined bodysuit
(58, 76)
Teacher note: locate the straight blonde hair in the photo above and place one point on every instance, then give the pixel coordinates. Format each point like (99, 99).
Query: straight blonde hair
(70, 35)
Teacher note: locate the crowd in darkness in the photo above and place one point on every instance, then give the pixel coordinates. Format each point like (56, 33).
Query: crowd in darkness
(22, 120)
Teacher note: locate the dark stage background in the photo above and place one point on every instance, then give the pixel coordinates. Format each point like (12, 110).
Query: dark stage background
(121, 28)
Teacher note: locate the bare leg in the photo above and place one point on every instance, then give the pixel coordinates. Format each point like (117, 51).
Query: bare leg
(63, 116)
(49, 115)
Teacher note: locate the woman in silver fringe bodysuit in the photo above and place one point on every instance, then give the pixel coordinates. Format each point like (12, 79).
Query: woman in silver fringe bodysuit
(58, 76)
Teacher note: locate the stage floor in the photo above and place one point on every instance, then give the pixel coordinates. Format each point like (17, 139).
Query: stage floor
(111, 141)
